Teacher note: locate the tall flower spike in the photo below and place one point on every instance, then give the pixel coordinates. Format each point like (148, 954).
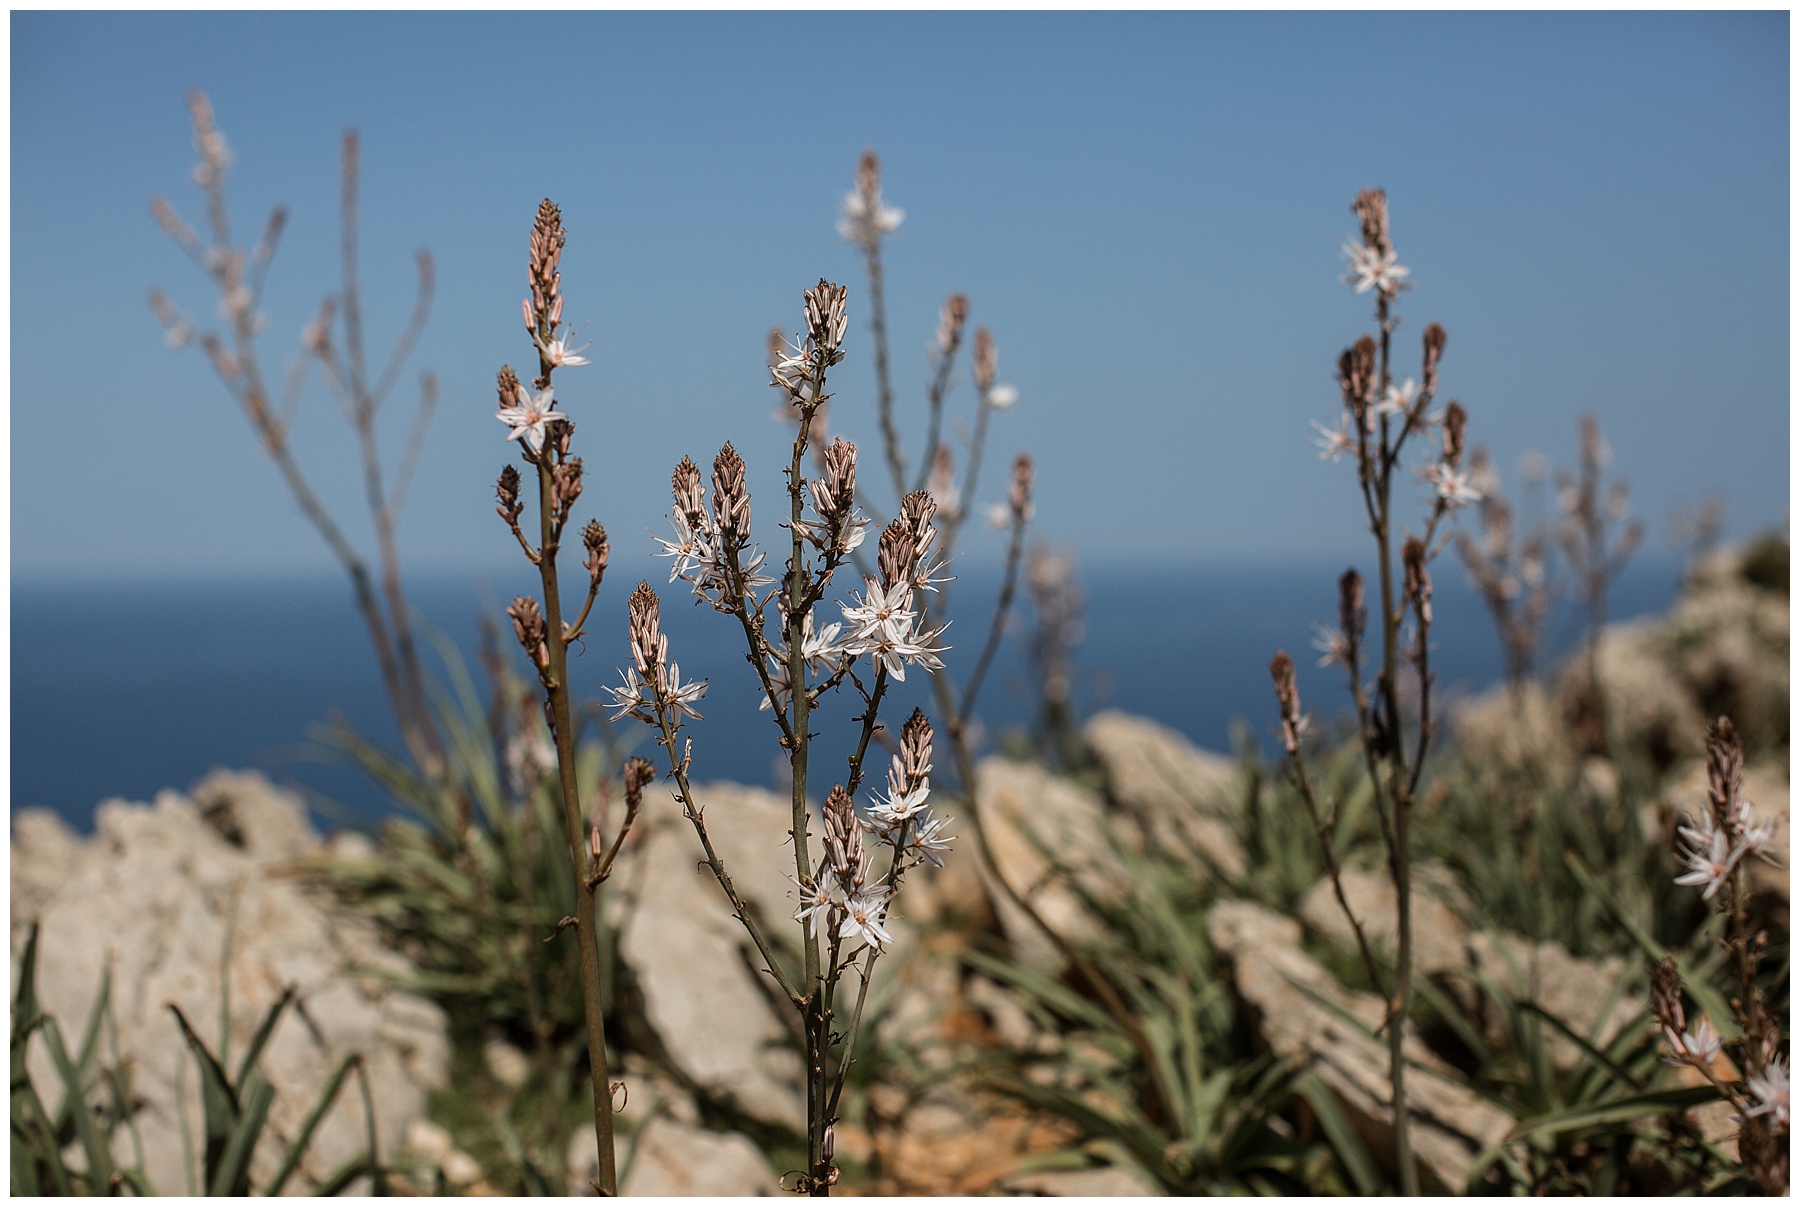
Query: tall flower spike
(649, 648)
(731, 498)
(865, 218)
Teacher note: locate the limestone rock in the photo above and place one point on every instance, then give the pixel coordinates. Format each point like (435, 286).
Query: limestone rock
(704, 993)
(1048, 837)
(1646, 701)
(154, 895)
(1182, 798)
(1102, 1182)
(668, 1158)
(1288, 992)
(1588, 995)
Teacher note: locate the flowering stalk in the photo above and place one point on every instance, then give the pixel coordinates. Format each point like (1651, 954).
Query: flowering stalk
(1513, 582)
(1380, 414)
(1716, 848)
(544, 436)
(845, 900)
(239, 277)
(1587, 519)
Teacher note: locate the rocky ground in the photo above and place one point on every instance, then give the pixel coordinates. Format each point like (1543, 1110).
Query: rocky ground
(191, 898)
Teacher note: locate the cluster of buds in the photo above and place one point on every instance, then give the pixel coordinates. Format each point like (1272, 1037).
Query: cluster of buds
(1413, 557)
(528, 626)
(1373, 263)
(1727, 832)
(987, 366)
(800, 370)
(566, 487)
(706, 545)
(543, 310)
(593, 539)
(845, 901)
(1454, 485)
(1338, 647)
(840, 527)
(866, 220)
(651, 671)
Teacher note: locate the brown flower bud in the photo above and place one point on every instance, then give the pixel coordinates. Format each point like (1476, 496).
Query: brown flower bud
(507, 491)
(950, 324)
(1356, 377)
(508, 386)
(563, 434)
(834, 492)
(594, 538)
(1456, 423)
(731, 497)
(899, 555)
(1665, 996)
(1019, 493)
(915, 746)
(1434, 351)
(987, 360)
(1287, 695)
(1724, 771)
(1418, 578)
(528, 627)
(868, 175)
(825, 319)
(639, 774)
(916, 510)
(775, 348)
(547, 239)
(690, 495)
(843, 838)
(1351, 615)
(648, 645)
(1370, 207)
(566, 483)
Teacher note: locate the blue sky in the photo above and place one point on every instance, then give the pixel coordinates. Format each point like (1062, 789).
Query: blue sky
(1144, 208)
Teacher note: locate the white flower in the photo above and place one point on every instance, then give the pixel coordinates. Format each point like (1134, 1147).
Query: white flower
(999, 515)
(924, 842)
(1700, 1045)
(1709, 864)
(1371, 269)
(679, 695)
(1771, 1090)
(1452, 485)
(862, 918)
(1001, 398)
(1334, 442)
(691, 548)
(815, 905)
(899, 803)
(1330, 643)
(558, 353)
(529, 418)
(895, 652)
(822, 648)
(1397, 399)
(882, 610)
(778, 679)
(629, 700)
(867, 220)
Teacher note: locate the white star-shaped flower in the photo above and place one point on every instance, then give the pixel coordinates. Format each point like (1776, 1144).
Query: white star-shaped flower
(1333, 443)
(529, 419)
(558, 352)
(862, 918)
(1371, 269)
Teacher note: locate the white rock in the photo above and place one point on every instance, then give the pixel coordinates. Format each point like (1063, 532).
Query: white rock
(153, 896)
(1181, 797)
(667, 1158)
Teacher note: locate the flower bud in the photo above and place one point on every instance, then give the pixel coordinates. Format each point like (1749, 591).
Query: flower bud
(731, 498)
(825, 319)
(594, 538)
(1434, 350)
(1287, 695)
(915, 746)
(987, 360)
(566, 484)
(1370, 207)
(1456, 422)
(1019, 493)
(1418, 578)
(950, 324)
(690, 495)
(507, 491)
(528, 627)
(648, 645)
(1351, 616)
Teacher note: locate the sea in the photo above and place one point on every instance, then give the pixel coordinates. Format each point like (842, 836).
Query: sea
(120, 690)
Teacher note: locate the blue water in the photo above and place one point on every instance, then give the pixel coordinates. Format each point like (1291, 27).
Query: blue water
(120, 690)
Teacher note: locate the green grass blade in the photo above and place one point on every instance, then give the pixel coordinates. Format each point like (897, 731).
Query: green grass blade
(218, 1102)
(1623, 1110)
(254, 1052)
(297, 1150)
(1344, 1140)
(93, 1144)
(232, 1176)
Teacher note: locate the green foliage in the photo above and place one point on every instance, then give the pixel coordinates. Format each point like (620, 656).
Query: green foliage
(471, 884)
